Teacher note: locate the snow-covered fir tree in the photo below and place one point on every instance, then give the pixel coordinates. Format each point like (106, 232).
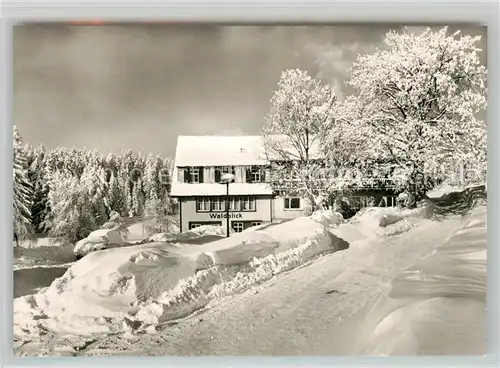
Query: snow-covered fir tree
(115, 196)
(70, 192)
(126, 168)
(71, 215)
(78, 205)
(157, 180)
(23, 190)
(151, 177)
(300, 108)
(137, 197)
(40, 207)
(93, 180)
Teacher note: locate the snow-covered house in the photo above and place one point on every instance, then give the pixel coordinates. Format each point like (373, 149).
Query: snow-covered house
(200, 161)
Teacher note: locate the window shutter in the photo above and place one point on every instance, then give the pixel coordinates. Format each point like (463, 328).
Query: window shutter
(200, 170)
(187, 177)
(266, 176)
(248, 175)
(217, 175)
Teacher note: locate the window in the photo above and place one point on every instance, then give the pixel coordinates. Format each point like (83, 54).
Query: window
(191, 174)
(203, 204)
(194, 174)
(237, 226)
(221, 170)
(193, 225)
(256, 223)
(234, 204)
(292, 203)
(256, 174)
(218, 204)
(248, 203)
(252, 203)
(241, 203)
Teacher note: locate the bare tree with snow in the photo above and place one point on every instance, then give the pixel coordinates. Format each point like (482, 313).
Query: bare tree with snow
(416, 107)
(300, 108)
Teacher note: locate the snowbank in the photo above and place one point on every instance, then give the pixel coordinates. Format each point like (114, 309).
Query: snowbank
(458, 202)
(437, 306)
(384, 221)
(327, 217)
(207, 230)
(137, 287)
(98, 240)
(199, 232)
(112, 238)
(380, 221)
(447, 188)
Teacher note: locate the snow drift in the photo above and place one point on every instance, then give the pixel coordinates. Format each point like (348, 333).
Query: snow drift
(118, 231)
(437, 306)
(98, 240)
(137, 287)
(373, 222)
(187, 236)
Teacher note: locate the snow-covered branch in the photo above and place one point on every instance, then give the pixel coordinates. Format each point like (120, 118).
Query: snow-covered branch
(415, 105)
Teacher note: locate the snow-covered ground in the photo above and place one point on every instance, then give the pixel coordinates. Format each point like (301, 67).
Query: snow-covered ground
(437, 306)
(153, 282)
(319, 308)
(138, 293)
(323, 307)
(136, 288)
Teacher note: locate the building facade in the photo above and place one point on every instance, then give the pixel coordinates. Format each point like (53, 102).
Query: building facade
(200, 163)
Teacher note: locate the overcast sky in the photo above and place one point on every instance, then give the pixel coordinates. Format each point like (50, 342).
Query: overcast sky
(139, 86)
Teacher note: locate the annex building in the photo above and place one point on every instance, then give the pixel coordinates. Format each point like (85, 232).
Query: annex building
(200, 161)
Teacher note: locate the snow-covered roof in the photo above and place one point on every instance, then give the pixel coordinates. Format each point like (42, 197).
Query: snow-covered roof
(216, 189)
(213, 150)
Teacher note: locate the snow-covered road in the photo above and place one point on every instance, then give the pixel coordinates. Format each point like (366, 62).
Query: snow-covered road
(317, 309)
